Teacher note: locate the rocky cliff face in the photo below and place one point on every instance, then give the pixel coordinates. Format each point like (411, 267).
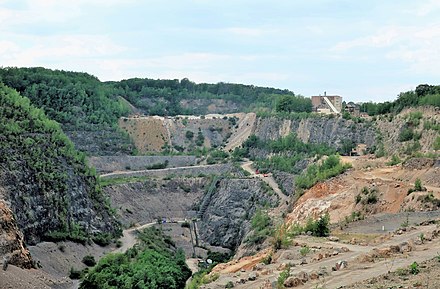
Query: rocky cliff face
(146, 201)
(12, 247)
(40, 212)
(322, 129)
(227, 218)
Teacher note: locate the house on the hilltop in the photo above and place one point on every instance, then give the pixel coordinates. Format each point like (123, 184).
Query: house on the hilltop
(353, 108)
(327, 103)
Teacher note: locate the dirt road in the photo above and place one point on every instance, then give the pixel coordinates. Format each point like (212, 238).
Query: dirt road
(355, 272)
(268, 179)
(245, 128)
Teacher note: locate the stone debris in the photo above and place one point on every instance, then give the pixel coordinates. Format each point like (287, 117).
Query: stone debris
(340, 265)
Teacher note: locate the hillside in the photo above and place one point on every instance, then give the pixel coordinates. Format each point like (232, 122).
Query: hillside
(257, 183)
(46, 183)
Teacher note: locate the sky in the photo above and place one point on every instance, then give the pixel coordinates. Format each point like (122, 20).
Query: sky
(362, 50)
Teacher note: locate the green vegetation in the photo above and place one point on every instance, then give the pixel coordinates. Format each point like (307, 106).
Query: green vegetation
(89, 261)
(203, 276)
(287, 151)
(414, 268)
(189, 135)
(76, 100)
(200, 278)
(429, 198)
(331, 167)
(418, 187)
(283, 276)
(261, 225)
(38, 146)
(318, 228)
(153, 263)
(292, 103)
(163, 97)
(394, 161)
(367, 196)
(304, 251)
(424, 94)
(436, 144)
(281, 237)
(217, 156)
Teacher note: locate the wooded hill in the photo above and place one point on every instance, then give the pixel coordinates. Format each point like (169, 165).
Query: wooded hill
(52, 191)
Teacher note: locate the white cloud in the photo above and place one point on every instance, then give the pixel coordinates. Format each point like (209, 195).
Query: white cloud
(246, 32)
(428, 7)
(56, 49)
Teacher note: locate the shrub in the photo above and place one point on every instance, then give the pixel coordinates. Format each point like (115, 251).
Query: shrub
(436, 144)
(372, 198)
(75, 274)
(304, 251)
(268, 259)
(418, 185)
(102, 239)
(189, 134)
(283, 276)
(357, 199)
(320, 227)
(406, 134)
(394, 161)
(414, 268)
(89, 261)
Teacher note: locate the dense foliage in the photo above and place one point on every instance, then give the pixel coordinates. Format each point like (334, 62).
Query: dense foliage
(292, 103)
(330, 167)
(163, 97)
(76, 100)
(424, 94)
(32, 144)
(154, 264)
(285, 151)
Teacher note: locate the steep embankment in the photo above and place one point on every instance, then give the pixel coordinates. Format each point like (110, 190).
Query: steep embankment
(331, 131)
(12, 248)
(411, 130)
(87, 109)
(181, 133)
(226, 220)
(53, 194)
(146, 201)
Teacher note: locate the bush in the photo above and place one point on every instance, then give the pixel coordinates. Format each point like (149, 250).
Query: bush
(89, 261)
(102, 239)
(189, 135)
(331, 167)
(436, 144)
(406, 134)
(414, 268)
(75, 274)
(418, 185)
(394, 161)
(304, 251)
(153, 263)
(283, 276)
(320, 227)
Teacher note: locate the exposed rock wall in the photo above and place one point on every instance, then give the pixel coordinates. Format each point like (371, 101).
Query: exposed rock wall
(227, 218)
(101, 142)
(392, 127)
(12, 247)
(39, 213)
(322, 129)
(106, 164)
(217, 169)
(144, 202)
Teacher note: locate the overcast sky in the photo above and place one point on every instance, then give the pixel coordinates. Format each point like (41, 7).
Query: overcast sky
(361, 50)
